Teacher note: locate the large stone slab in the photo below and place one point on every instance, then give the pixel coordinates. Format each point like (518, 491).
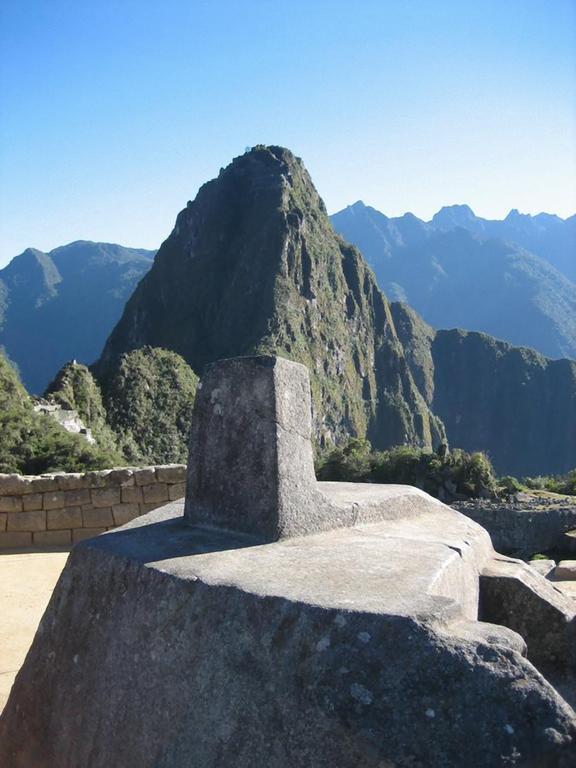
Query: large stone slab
(284, 634)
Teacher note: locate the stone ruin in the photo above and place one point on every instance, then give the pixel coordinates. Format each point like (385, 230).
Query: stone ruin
(66, 417)
(274, 621)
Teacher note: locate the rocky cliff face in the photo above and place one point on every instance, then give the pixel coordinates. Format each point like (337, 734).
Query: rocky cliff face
(511, 402)
(254, 266)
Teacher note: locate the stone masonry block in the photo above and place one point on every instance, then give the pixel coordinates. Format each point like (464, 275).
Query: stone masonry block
(79, 534)
(144, 508)
(72, 481)
(52, 538)
(43, 483)
(3, 518)
(176, 491)
(155, 493)
(54, 500)
(145, 476)
(26, 521)
(14, 485)
(15, 539)
(123, 513)
(171, 473)
(32, 501)
(59, 519)
(97, 518)
(10, 504)
(121, 478)
(251, 466)
(132, 495)
(105, 497)
(77, 497)
(98, 479)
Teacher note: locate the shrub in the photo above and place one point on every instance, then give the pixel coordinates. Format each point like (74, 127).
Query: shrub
(565, 484)
(446, 474)
(349, 462)
(149, 400)
(510, 484)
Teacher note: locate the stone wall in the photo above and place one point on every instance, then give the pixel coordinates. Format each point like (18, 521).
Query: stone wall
(61, 509)
(525, 527)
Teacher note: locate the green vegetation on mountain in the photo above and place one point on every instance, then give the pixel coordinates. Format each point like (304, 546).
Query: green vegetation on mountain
(33, 443)
(444, 474)
(149, 401)
(510, 402)
(75, 388)
(62, 305)
(254, 266)
(563, 484)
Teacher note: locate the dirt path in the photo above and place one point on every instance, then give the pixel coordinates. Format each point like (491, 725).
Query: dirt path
(26, 583)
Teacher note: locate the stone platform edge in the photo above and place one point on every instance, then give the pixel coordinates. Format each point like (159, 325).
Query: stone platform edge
(57, 510)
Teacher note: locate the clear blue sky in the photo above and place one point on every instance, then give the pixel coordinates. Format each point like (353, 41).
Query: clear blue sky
(114, 112)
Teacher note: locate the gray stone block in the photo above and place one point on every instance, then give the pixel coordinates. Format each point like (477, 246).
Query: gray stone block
(176, 491)
(81, 534)
(53, 500)
(336, 650)
(544, 567)
(251, 464)
(43, 484)
(71, 481)
(52, 539)
(77, 497)
(10, 503)
(99, 479)
(291, 624)
(59, 519)
(100, 517)
(132, 495)
(15, 540)
(155, 493)
(26, 521)
(171, 473)
(145, 476)
(565, 570)
(514, 594)
(13, 485)
(123, 513)
(123, 477)
(105, 497)
(32, 501)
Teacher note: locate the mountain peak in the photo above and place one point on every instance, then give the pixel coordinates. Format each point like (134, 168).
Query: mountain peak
(453, 216)
(253, 266)
(262, 158)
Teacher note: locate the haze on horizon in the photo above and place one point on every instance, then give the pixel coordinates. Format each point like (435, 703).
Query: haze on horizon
(115, 113)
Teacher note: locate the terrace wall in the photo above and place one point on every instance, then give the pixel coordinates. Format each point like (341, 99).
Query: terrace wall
(61, 509)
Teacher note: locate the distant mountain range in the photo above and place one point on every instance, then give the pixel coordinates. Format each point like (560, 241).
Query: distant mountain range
(62, 305)
(254, 266)
(510, 278)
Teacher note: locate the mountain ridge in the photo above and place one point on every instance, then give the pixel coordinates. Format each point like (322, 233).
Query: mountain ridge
(467, 277)
(61, 305)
